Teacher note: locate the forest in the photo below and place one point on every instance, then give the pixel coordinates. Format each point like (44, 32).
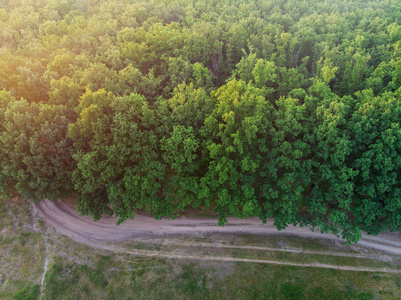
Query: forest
(279, 109)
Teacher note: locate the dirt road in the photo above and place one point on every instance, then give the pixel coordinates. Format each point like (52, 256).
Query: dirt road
(63, 217)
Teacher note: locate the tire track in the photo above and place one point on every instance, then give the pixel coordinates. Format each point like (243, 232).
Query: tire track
(170, 255)
(268, 249)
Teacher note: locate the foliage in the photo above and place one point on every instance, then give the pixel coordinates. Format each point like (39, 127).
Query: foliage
(283, 109)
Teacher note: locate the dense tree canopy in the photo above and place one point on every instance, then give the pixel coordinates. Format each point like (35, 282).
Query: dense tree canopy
(277, 109)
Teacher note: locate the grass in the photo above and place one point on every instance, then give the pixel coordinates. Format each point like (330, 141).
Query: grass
(195, 280)
(28, 292)
(254, 281)
(168, 281)
(21, 253)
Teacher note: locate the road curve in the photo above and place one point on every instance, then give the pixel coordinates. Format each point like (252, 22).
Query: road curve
(64, 218)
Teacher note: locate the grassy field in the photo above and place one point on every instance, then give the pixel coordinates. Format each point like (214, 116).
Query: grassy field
(113, 277)
(21, 252)
(80, 272)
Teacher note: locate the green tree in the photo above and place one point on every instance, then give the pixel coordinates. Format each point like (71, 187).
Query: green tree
(238, 129)
(183, 143)
(116, 150)
(36, 151)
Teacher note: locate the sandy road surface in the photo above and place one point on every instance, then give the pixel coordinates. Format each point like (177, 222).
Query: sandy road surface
(63, 217)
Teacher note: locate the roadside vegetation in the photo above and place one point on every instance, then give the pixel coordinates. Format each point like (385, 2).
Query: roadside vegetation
(76, 271)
